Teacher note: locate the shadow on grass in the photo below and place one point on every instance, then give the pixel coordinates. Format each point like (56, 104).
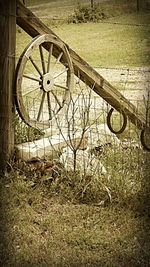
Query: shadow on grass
(5, 221)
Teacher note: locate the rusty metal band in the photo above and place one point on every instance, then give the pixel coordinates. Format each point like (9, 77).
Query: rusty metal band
(143, 142)
(109, 122)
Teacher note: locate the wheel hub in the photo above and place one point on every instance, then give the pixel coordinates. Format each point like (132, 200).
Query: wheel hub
(47, 82)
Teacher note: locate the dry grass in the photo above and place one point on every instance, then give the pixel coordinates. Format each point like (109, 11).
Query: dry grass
(43, 228)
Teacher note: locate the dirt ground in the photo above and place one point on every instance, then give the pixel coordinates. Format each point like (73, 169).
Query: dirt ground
(133, 83)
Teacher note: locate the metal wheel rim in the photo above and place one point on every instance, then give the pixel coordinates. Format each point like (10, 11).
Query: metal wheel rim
(121, 130)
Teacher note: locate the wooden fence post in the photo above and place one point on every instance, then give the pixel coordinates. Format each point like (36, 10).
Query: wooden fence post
(7, 69)
(92, 3)
(138, 5)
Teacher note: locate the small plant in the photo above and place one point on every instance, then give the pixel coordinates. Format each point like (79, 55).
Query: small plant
(84, 14)
(79, 188)
(24, 133)
(78, 121)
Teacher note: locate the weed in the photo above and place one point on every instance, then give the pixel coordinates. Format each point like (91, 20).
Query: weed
(24, 133)
(87, 14)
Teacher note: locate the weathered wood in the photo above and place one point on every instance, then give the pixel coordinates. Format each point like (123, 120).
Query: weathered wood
(138, 5)
(7, 69)
(33, 26)
(46, 80)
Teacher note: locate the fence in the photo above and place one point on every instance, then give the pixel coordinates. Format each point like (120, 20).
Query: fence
(80, 142)
(82, 118)
(75, 129)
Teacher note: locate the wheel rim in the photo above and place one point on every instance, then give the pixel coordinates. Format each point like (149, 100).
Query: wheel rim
(121, 130)
(43, 80)
(145, 138)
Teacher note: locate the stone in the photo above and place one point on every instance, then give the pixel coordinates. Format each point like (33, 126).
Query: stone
(47, 146)
(100, 135)
(86, 162)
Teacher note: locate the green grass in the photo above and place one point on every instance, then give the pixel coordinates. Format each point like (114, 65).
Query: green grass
(54, 9)
(62, 8)
(105, 43)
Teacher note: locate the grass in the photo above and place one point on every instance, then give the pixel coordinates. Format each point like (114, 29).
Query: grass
(60, 9)
(114, 44)
(55, 9)
(40, 229)
(48, 224)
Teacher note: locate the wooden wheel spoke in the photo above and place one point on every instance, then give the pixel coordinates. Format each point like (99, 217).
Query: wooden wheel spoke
(57, 100)
(41, 106)
(58, 59)
(49, 106)
(31, 91)
(31, 78)
(61, 86)
(42, 59)
(36, 67)
(49, 57)
(60, 74)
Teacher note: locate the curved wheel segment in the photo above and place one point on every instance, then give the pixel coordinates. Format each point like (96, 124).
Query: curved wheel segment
(44, 78)
(145, 138)
(109, 123)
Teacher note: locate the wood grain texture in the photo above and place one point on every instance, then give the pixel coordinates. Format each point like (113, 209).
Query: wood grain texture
(7, 70)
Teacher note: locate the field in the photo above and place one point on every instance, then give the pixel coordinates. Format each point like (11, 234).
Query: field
(121, 40)
(65, 222)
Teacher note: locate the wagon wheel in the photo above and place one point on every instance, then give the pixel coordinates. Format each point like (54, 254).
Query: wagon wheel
(44, 77)
(123, 126)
